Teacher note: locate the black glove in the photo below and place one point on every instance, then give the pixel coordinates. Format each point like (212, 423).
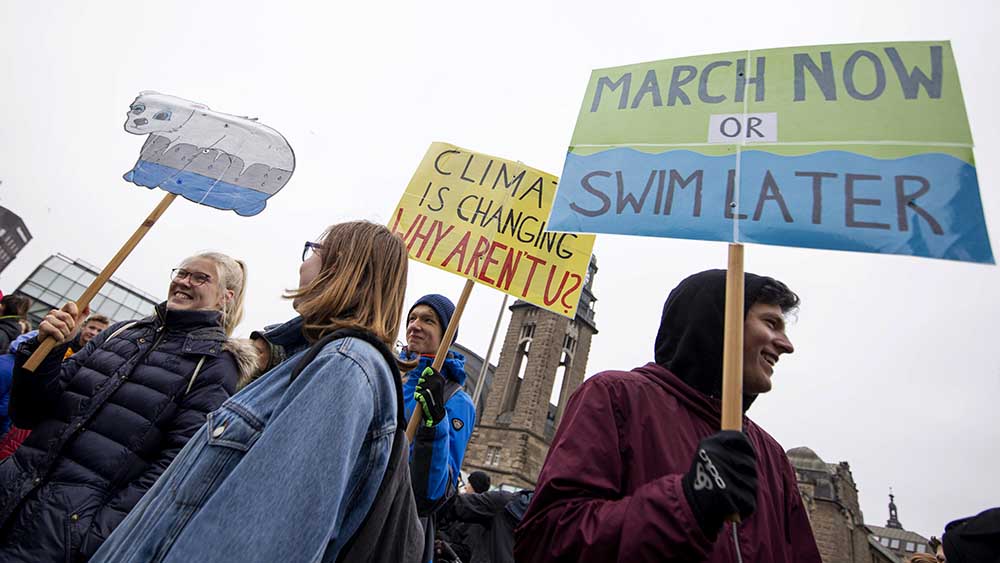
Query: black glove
(430, 394)
(722, 480)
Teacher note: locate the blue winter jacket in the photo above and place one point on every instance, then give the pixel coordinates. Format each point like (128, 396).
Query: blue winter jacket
(438, 451)
(7, 379)
(284, 471)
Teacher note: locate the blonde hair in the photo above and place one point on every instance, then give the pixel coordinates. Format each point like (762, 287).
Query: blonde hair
(232, 276)
(922, 558)
(361, 283)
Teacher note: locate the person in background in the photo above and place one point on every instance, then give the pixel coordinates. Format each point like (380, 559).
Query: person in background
(639, 470)
(13, 312)
(494, 515)
(90, 328)
(107, 422)
(446, 410)
(460, 534)
(6, 380)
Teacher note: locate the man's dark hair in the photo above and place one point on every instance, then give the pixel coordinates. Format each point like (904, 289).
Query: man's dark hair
(16, 304)
(480, 481)
(773, 292)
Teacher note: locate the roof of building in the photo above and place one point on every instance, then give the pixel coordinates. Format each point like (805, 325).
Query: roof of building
(897, 534)
(882, 549)
(805, 458)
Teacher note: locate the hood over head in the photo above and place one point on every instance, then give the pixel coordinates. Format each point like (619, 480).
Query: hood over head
(690, 339)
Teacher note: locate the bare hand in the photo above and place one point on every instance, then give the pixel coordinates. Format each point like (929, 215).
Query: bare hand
(62, 325)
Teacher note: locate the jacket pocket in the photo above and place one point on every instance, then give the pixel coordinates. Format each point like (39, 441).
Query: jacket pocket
(229, 433)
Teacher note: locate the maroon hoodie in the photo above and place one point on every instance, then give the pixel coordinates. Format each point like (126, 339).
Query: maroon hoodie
(610, 489)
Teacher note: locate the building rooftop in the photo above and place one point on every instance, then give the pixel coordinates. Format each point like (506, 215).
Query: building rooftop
(881, 549)
(897, 534)
(806, 458)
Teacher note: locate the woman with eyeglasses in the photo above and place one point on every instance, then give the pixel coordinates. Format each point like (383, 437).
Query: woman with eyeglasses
(109, 420)
(289, 468)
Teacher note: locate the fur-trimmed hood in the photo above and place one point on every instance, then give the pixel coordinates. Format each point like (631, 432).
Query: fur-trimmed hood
(246, 357)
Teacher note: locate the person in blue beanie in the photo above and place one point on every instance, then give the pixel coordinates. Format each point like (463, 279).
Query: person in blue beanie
(447, 411)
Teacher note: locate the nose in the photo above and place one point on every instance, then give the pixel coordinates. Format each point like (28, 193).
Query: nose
(140, 122)
(784, 345)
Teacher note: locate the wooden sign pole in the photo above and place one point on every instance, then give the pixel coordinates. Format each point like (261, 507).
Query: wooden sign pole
(442, 354)
(732, 350)
(83, 302)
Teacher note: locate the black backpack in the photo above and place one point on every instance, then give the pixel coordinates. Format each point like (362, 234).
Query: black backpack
(391, 531)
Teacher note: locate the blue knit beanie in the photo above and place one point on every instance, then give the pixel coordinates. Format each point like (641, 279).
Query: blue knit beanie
(442, 306)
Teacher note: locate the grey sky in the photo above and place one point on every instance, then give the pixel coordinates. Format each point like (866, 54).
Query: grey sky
(895, 368)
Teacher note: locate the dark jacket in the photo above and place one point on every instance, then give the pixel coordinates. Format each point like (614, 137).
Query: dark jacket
(610, 489)
(105, 424)
(9, 331)
(497, 513)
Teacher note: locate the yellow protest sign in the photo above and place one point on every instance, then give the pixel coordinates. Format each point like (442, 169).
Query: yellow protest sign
(484, 218)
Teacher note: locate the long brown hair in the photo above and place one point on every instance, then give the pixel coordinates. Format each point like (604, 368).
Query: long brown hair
(361, 283)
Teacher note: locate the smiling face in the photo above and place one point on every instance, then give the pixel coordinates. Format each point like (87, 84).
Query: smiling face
(185, 294)
(764, 341)
(423, 330)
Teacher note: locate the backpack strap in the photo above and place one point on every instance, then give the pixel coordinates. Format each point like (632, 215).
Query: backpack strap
(450, 388)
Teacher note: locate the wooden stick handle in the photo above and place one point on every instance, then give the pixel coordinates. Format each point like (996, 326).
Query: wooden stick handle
(442, 354)
(83, 302)
(732, 351)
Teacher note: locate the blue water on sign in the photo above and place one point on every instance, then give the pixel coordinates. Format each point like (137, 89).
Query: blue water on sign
(198, 188)
(922, 205)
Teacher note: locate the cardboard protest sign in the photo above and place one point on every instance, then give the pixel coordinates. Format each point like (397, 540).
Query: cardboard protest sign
(211, 158)
(484, 218)
(861, 147)
(14, 235)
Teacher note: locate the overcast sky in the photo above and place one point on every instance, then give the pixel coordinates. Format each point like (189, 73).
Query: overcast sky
(895, 369)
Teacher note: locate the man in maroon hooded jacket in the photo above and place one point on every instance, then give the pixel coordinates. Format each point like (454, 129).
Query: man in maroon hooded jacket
(639, 470)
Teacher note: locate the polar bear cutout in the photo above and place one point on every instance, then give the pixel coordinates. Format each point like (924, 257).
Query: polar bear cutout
(212, 158)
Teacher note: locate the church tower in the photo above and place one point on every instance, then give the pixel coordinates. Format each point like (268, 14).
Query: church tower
(543, 360)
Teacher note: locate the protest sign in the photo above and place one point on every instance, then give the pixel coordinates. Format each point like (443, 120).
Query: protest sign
(208, 157)
(14, 235)
(484, 218)
(861, 147)
(212, 158)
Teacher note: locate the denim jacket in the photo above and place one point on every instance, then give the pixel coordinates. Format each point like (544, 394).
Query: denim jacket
(280, 473)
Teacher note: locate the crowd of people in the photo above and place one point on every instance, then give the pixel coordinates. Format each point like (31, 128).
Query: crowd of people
(168, 439)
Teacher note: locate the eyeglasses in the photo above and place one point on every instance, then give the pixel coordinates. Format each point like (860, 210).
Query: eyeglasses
(195, 278)
(309, 249)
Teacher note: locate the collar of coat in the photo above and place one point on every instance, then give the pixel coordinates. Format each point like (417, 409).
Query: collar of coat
(203, 333)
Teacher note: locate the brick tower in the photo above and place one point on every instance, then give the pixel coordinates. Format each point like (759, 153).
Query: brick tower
(543, 360)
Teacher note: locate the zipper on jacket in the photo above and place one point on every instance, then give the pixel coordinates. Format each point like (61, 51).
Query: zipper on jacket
(736, 544)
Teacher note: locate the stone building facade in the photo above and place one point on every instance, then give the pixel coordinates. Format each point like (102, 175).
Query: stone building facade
(544, 356)
(830, 496)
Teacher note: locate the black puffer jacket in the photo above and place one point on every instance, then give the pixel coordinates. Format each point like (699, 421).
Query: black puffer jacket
(106, 423)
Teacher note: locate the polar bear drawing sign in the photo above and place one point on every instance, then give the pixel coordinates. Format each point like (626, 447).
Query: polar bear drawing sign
(212, 158)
